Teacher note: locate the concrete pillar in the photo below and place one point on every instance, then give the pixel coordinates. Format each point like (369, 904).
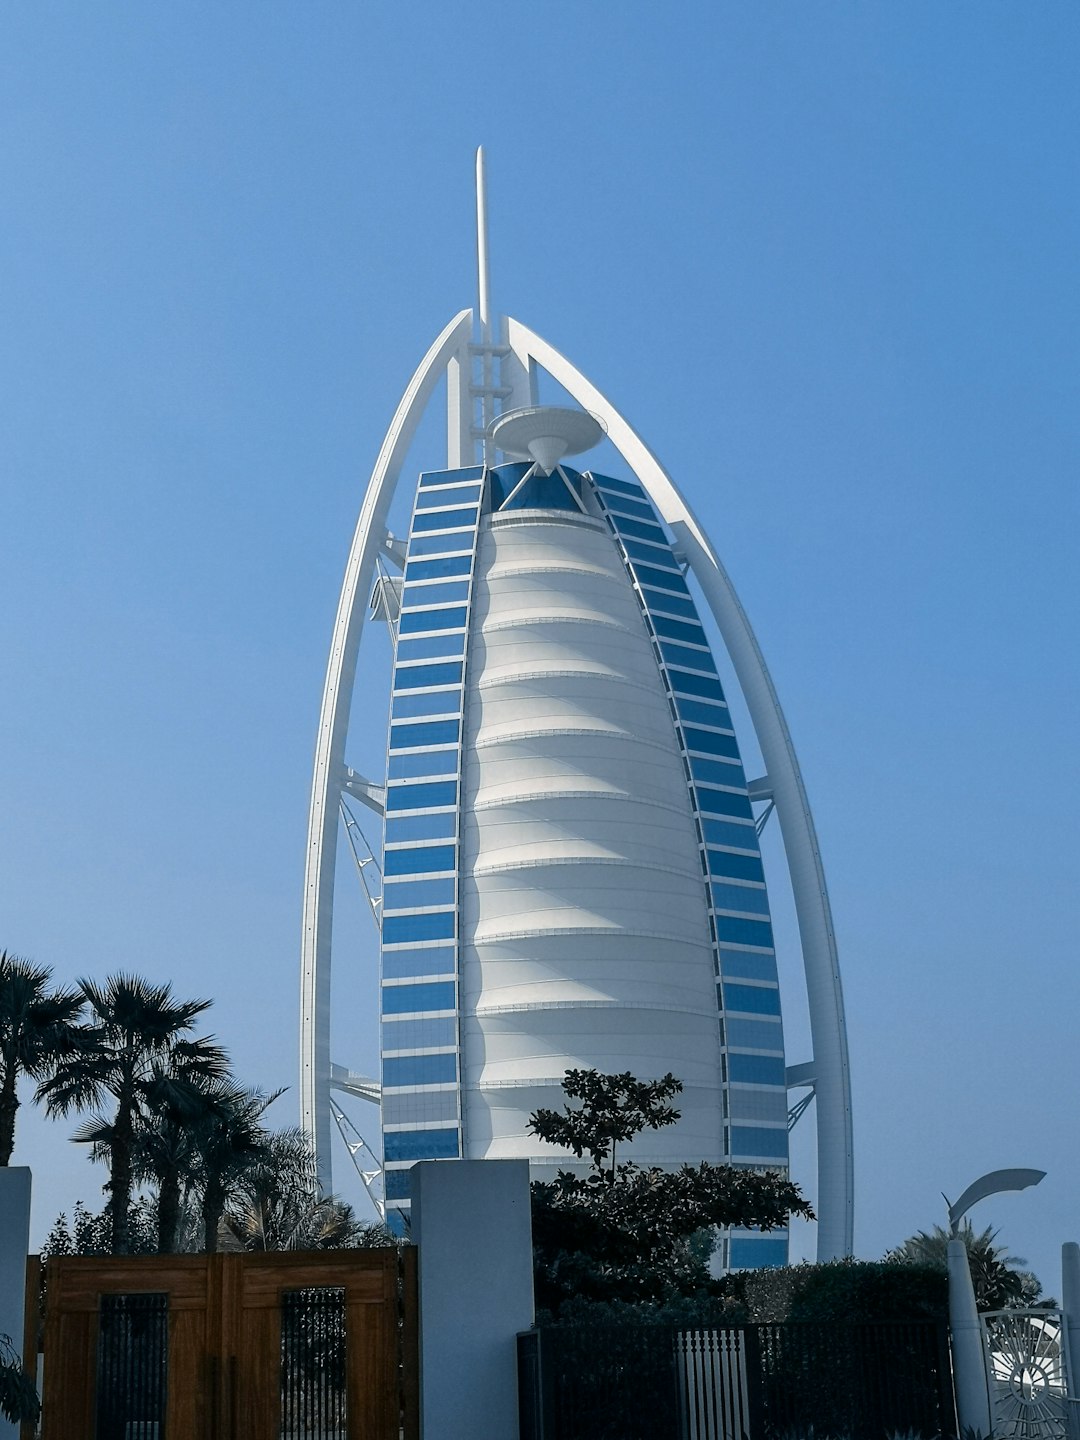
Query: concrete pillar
(472, 1224)
(1070, 1304)
(969, 1354)
(14, 1247)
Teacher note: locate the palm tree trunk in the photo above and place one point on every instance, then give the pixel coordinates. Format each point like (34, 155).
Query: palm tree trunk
(213, 1207)
(9, 1103)
(120, 1185)
(168, 1211)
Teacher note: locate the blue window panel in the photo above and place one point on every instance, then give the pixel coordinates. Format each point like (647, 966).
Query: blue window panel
(444, 520)
(620, 487)
(436, 732)
(678, 630)
(436, 594)
(420, 1034)
(624, 505)
(682, 655)
(420, 1070)
(739, 897)
(451, 544)
(421, 1145)
(403, 964)
(755, 1140)
(658, 554)
(438, 569)
(423, 762)
(422, 797)
(756, 1070)
(451, 477)
(673, 604)
(756, 1254)
(706, 686)
(717, 772)
(427, 677)
(711, 742)
(434, 995)
(744, 932)
(429, 647)
(644, 530)
(416, 622)
(456, 495)
(722, 832)
(442, 702)
(662, 579)
(751, 999)
(754, 1035)
(733, 867)
(722, 802)
(420, 860)
(405, 929)
(748, 964)
(699, 713)
(415, 894)
(421, 827)
(396, 1185)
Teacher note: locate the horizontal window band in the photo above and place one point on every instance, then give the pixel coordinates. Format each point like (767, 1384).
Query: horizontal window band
(685, 683)
(430, 647)
(618, 487)
(657, 555)
(756, 1069)
(416, 894)
(421, 796)
(443, 522)
(753, 932)
(438, 569)
(421, 1070)
(434, 592)
(661, 579)
(429, 498)
(414, 963)
(711, 742)
(419, 860)
(415, 999)
(724, 865)
(722, 802)
(415, 764)
(657, 601)
(412, 705)
(427, 676)
(417, 622)
(404, 829)
(431, 925)
(440, 1144)
(687, 659)
(464, 474)
(433, 732)
(686, 632)
(456, 542)
(626, 505)
(647, 530)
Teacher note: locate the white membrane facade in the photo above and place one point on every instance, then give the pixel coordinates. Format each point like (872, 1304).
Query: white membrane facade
(571, 868)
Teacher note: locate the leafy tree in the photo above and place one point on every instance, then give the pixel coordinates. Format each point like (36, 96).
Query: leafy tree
(624, 1232)
(998, 1278)
(613, 1108)
(90, 1233)
(178, 1103)
(136, 1028)
(278, 1204)
(38, 1029)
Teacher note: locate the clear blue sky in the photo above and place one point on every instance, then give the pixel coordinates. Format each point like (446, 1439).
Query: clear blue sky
(824, 255)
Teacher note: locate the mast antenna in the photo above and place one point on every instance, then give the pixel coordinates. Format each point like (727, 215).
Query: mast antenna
(482, 248)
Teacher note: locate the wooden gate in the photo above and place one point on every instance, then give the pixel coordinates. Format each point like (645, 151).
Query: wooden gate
(282, 1346)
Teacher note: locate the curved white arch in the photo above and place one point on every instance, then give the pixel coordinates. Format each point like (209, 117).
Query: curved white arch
(321, 852)
(824, 993)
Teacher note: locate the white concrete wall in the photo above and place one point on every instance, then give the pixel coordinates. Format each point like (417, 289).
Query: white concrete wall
(14, 1244)
(585, 937)
(472, 1224)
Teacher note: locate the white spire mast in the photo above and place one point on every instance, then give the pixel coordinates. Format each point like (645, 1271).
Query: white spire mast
(483, 277)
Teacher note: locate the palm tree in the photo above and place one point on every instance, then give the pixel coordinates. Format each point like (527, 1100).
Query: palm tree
(279, 1205)
(230, 1140)
(998, 1280)
(134, 1024)
(37, 1030)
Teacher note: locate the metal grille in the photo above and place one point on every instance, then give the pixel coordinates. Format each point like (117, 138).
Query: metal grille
(713, 1391)
(313, 1364)
(1027, 1370)
(132, 1367)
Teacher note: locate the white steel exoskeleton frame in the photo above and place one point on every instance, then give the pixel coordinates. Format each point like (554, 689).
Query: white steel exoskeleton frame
(519, 354)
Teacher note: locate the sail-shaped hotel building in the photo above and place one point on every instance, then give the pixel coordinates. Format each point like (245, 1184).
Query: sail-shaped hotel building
(570, 865)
